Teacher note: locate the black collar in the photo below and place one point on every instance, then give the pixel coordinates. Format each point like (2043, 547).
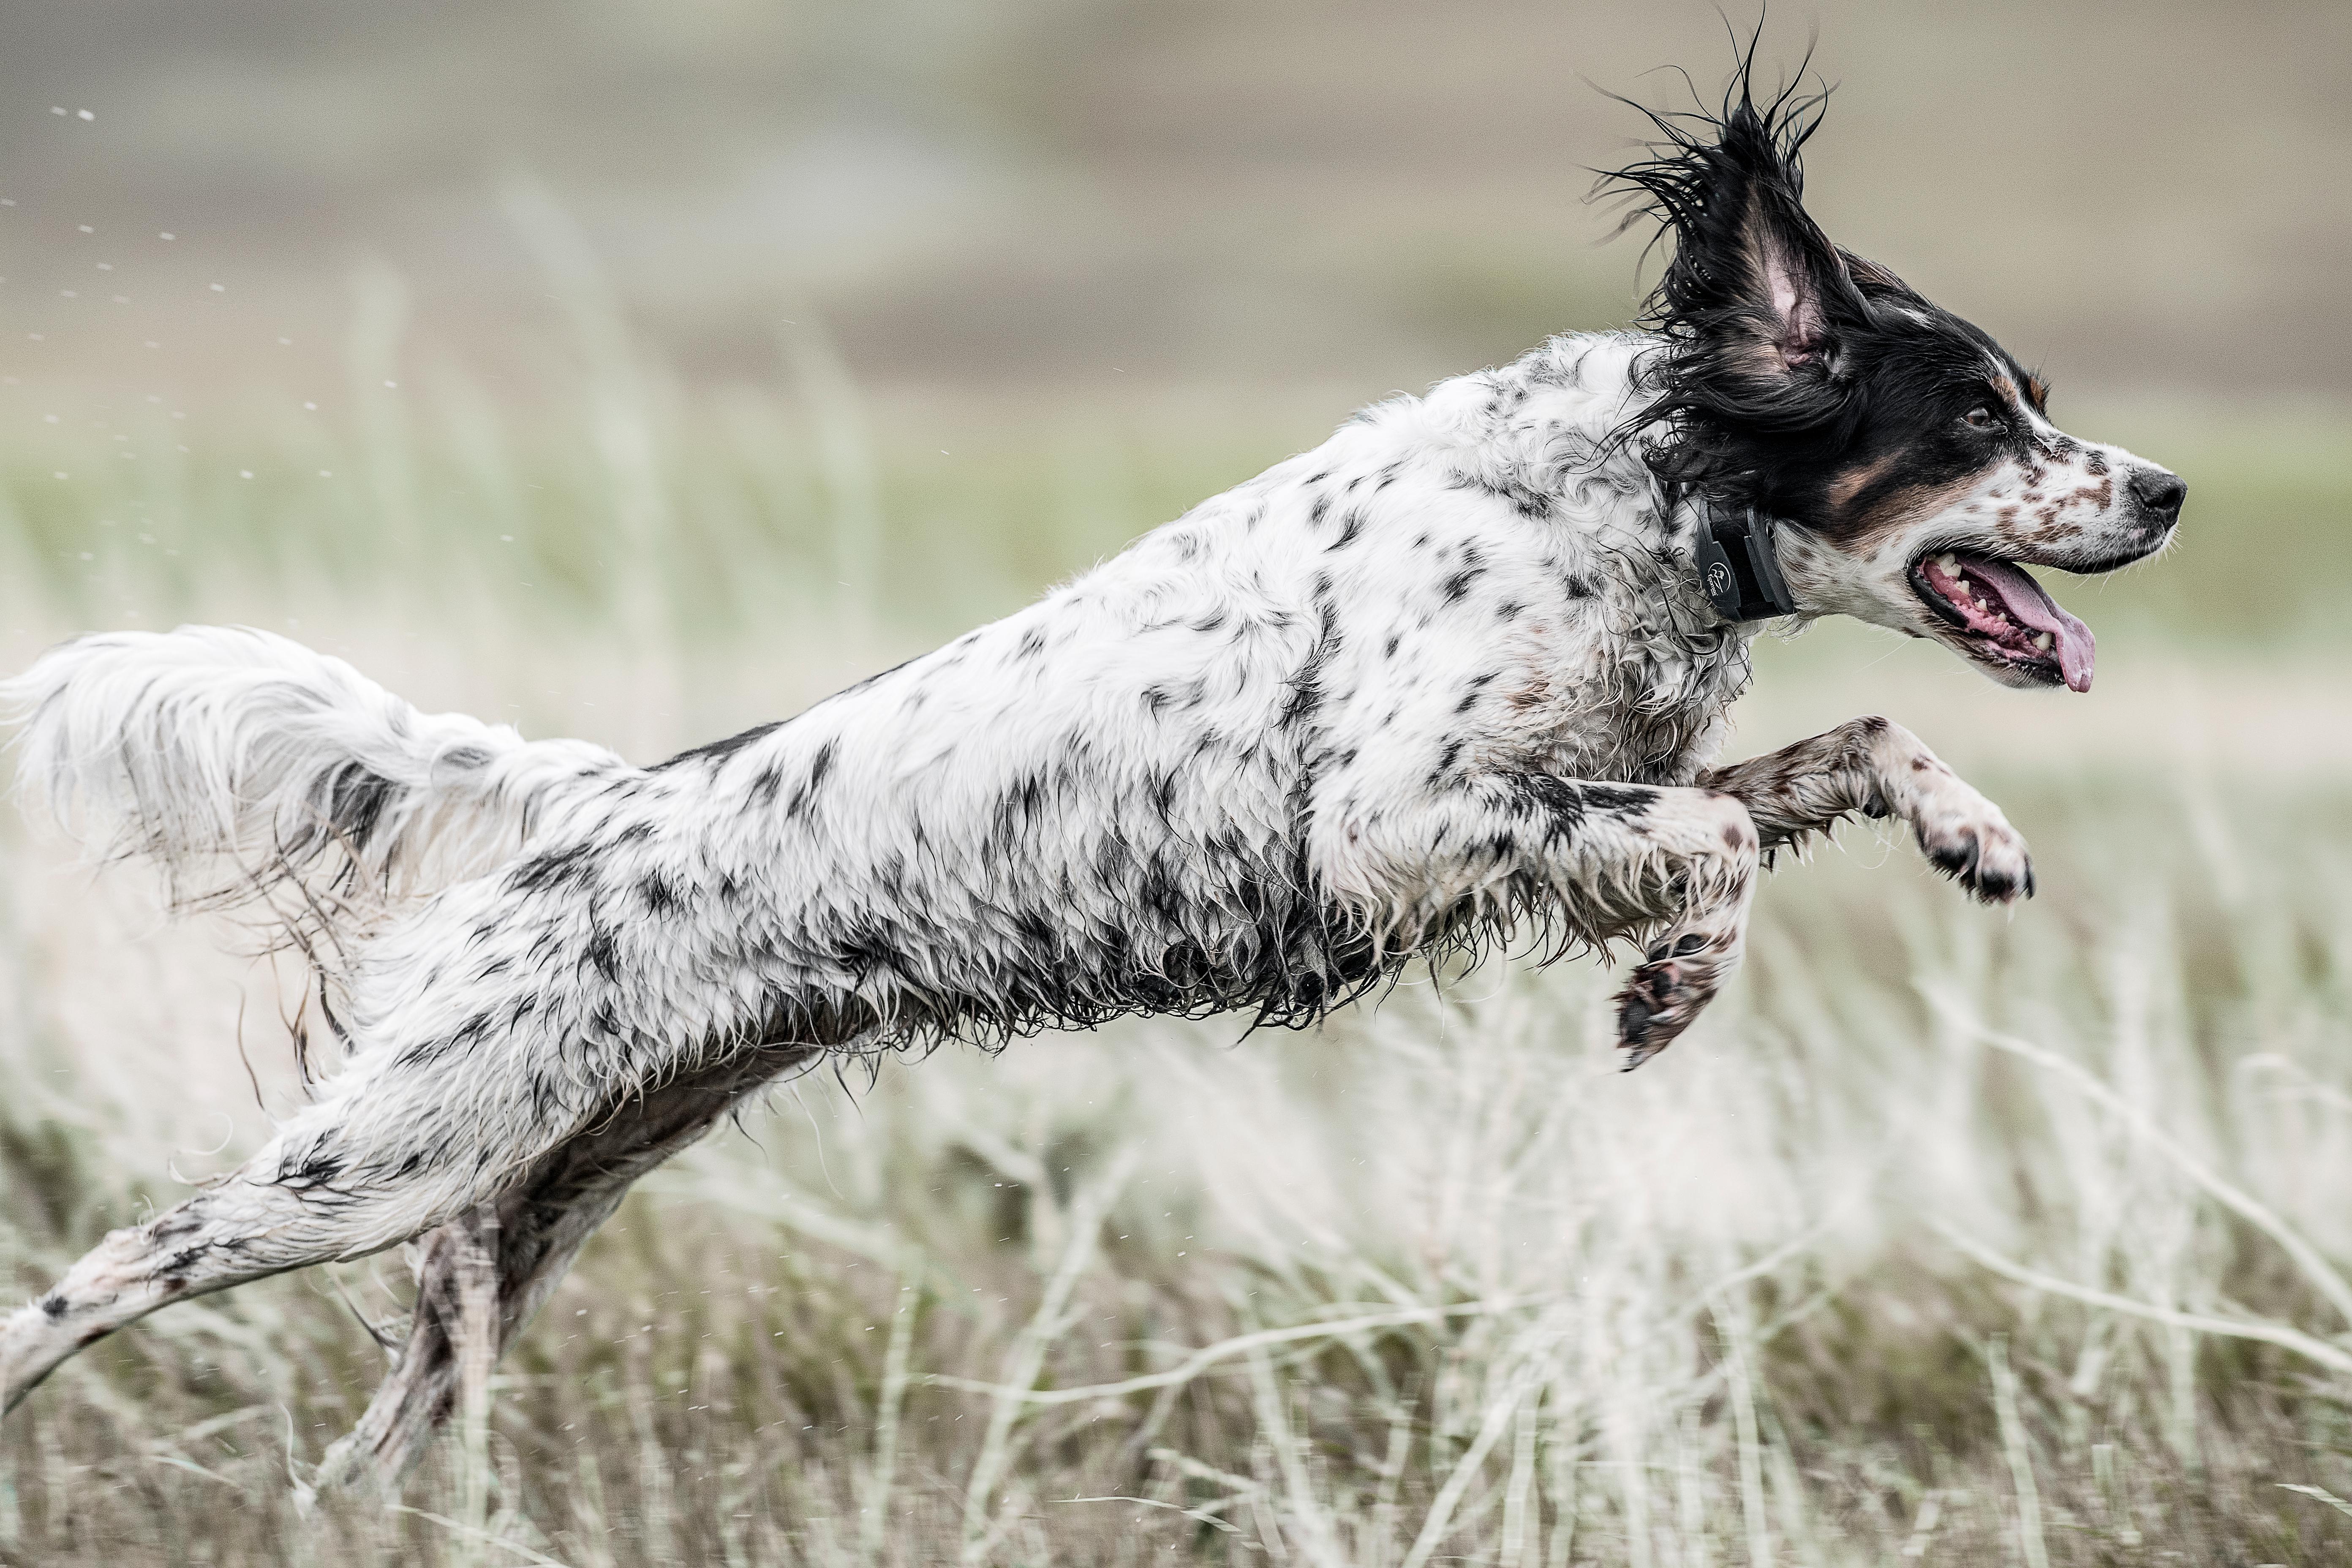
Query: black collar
(1738, 566)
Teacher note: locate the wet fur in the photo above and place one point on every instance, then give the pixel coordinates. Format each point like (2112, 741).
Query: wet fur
(1442, 685)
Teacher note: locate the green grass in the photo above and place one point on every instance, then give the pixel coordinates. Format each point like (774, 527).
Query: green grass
(1433, 1284)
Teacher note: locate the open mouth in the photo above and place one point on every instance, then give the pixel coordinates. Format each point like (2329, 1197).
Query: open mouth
(2004, 618)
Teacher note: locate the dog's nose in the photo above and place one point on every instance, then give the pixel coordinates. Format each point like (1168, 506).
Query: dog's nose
(2161, 492)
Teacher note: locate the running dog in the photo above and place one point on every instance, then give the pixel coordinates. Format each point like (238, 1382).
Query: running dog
(1456, 679)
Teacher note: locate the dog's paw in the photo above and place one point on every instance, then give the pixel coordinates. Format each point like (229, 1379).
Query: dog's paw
(1966, 836)
(1677, 978)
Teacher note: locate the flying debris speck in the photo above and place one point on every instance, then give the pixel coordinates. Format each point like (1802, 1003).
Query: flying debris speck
(167, 237)
(286, 343)
(106, 267)
(392, 383)
(326, 473)
(84, 114)
(56, 108)
(153, 344)
(245, 473)
(220, 289)
(60, 474)
(85, 228)
(311, 406)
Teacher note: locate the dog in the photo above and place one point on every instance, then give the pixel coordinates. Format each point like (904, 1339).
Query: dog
(1455, 679)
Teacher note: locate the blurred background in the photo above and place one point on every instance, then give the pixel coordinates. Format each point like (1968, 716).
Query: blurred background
(642, 371)
(1044, 201)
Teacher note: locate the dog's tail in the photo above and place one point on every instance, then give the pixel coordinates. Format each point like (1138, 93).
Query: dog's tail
(246, 766)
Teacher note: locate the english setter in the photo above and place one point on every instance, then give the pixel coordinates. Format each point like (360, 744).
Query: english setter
(1457, 678)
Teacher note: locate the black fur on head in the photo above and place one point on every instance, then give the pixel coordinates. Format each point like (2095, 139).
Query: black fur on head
(1786, 359)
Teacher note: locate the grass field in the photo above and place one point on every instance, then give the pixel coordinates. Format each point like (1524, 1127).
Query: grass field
(1946, 1236)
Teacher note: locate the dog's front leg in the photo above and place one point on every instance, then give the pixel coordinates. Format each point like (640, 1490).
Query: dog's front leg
(1602, 860)
(1876, 768)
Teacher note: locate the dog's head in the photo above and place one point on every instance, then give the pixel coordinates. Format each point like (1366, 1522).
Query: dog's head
(1913, 455)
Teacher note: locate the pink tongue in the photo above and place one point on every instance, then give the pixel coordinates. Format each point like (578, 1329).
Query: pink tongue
(2076, 648)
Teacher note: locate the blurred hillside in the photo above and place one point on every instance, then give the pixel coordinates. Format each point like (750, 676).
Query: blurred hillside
(1057, 201)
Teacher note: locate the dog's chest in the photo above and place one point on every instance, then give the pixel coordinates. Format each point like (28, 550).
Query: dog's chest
(1616, 683)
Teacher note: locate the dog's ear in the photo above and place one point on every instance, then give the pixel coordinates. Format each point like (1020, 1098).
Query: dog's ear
(1784, 277)
(1755, 293)
(1878, 281)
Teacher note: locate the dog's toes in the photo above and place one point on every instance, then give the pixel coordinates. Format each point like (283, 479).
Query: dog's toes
(1985, 856)
(1658, 1003)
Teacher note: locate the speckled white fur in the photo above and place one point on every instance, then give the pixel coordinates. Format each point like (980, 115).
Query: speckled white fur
(1442, 681)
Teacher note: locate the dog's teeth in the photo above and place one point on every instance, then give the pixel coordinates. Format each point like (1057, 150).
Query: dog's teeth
(1949, 565)
(2042, 641)
(1964, 588)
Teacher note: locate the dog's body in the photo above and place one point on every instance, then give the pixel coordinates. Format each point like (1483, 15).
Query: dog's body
(1447, 680)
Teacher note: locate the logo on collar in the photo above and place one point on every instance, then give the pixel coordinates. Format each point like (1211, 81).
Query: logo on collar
(1737, 565)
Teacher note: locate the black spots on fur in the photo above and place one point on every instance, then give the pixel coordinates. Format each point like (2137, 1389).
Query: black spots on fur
(1317, 508)
(1351, 528)
(555, 871)
(658, 896)
(53, 1306)
(1564, 805)
(765, 785)
(1209, 623)
(1032, 644)
(1630, 801)
(717, 751)
(1447, 755)
(1388, 649)
(1520, 497)
(1509, 610)
(1159, 698)
(356, 798)
(1306, 683)
(806, 793)
(1458, 585)
(1575, 587)
(1478, 684)
(315, 1168)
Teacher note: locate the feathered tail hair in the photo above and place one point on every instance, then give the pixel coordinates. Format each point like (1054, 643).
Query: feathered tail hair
(252, 770)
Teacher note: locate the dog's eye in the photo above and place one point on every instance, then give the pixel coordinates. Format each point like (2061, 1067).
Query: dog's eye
(1980, 419)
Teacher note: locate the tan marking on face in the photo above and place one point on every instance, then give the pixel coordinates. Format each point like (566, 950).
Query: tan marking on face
(2037, 392)
(2006, 387)
(1907, 508)
(1846, 486)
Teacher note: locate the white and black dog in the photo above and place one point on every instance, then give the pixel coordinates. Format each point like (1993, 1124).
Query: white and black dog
(1457, 676)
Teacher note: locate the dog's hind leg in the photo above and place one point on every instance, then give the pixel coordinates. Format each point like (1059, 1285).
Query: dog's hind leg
(1876, 768)
(519, 1249)
(245, 1227)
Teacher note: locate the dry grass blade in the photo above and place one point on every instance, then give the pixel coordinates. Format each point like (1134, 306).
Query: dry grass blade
(2278, 1334)
(1026, 1357)
(2321, 1273)
(2029, 1540)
